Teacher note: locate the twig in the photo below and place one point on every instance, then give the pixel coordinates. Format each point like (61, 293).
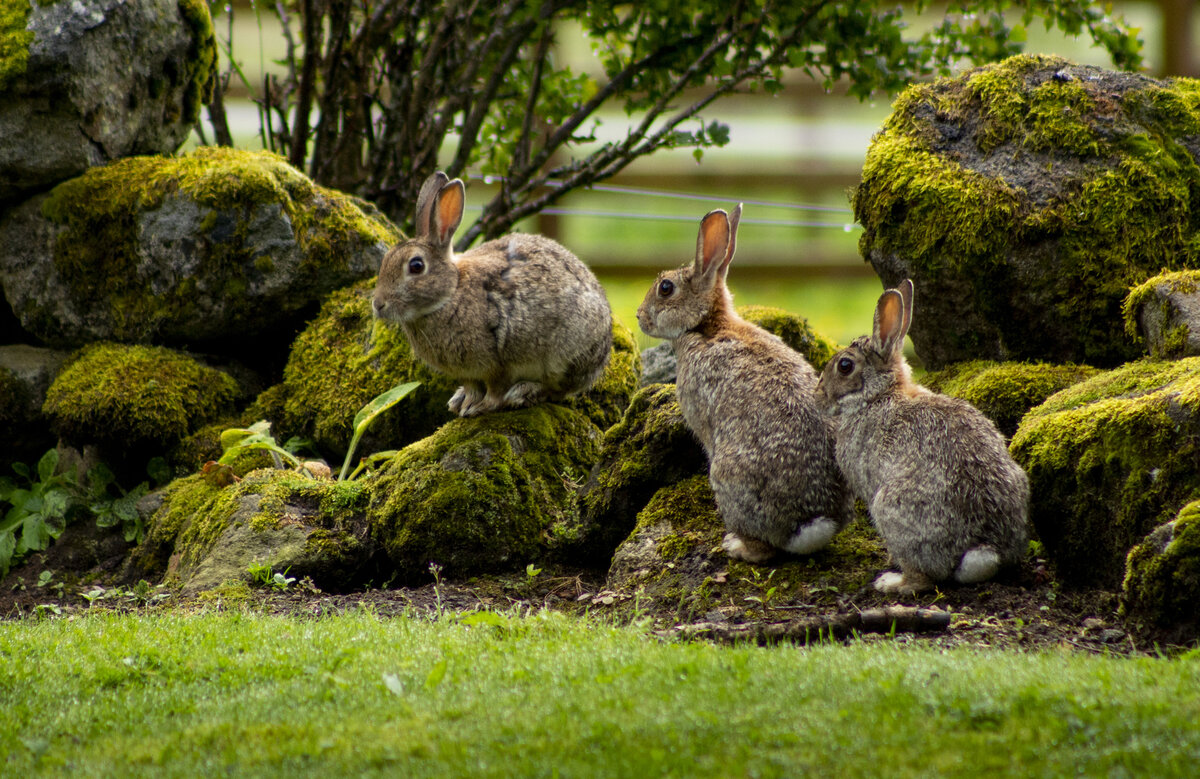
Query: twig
(891, 619)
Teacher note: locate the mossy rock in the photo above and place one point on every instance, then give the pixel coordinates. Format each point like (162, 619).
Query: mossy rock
(1109, 459)
(89, 81)
(220, 249)
(1024, 199)
(1004, 392)
(674, 556)
(26, 373)
(345, 357)
(485, 494)
(1164, 312)
(650, 448)
(1161, 600)
(126, 398)
(205, 534)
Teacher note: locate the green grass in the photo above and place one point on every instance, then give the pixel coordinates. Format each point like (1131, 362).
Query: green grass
(250, 695)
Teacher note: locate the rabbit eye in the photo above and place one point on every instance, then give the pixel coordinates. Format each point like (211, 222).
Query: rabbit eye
(416, 266)
(845, 365)
(665, 288)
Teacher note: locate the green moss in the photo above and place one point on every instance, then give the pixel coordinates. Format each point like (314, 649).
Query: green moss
(794, 330)
(1175, 339)
(96, 251)
(1162, 581)
(1094, 174)
(1004, 392)
(14, 41)
(134, 395)
(1108, 459)
(201, 63)
(486, 493)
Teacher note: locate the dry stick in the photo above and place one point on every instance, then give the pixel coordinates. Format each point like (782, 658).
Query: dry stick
(891, 619)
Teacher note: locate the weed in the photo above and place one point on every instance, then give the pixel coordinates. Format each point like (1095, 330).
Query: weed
(38, 511)
(264, 576)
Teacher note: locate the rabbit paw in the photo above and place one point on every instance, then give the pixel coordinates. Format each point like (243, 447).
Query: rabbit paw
(523, 393)
(980, 563)
(811, 537)
(902, 583)
(464, 398)
(749, 549)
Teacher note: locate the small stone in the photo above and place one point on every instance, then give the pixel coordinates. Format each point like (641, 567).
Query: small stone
(1092, 623)
(1112, 635)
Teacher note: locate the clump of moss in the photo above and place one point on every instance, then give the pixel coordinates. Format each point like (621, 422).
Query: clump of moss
(1162, 581)
(1141, 313)
(201, 63)
(484, 494)
(1030, 194)
(14, 41)
(133, 396)
(1109, 459)
(794, 330)
(1004, 392)
(96, 250)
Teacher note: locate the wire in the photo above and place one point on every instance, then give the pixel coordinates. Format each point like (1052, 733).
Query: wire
(844, 226)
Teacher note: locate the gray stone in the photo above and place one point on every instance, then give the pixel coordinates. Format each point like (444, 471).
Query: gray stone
(658, 364)
(104, 79)
(1165, 312)
(26, 372)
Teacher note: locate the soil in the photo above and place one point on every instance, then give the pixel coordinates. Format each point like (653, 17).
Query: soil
(1027, 611)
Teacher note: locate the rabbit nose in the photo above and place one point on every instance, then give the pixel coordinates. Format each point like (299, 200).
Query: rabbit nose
(378, 306)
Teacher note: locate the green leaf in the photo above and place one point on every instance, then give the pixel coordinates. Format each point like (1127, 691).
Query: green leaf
(382, 403)
(436, 674)
(8, 545)
(47, 465)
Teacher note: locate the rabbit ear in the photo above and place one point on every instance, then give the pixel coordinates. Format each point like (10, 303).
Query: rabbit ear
(714, 244)
(429, 191)
(905, 288)
(447, 213)
(888, 334)
(734, 218)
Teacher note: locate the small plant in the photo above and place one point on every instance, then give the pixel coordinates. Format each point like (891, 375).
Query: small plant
(38, 511)
(236, 441)
(264, 576)
(767, 593)
(112, 506)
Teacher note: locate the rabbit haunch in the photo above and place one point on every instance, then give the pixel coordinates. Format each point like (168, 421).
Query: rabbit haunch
(935, 473)
(518, 319)
(748, 397)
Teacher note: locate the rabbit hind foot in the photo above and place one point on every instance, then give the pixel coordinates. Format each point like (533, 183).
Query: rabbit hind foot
(907, 583)
(524, 393)
(748, 549)
(979, 564)
(812, 536)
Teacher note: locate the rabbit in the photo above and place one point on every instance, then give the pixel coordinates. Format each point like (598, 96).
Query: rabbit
(935, 473)
(518, 320)
(748, 397)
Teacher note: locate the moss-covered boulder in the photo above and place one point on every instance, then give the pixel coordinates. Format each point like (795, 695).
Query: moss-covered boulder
(25, 376)
(1161, 600)
(485, 494)
(1165, 313)
(674, 556)
(345, 357)
(1109, 459)
(204, 534)
(794, 330)
(129, 398)
(1024, 198)
(220, 249)
(1004, 392)
(649, 449)
(89, 81)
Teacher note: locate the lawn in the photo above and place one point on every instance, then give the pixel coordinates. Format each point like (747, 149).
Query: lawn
(246, 694)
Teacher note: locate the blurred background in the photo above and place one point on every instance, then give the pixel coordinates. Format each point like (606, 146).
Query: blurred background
(792, 159)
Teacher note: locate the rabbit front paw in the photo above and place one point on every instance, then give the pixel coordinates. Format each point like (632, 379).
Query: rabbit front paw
(894, 583)
(749, 549)
(465, 400)
(523, 393)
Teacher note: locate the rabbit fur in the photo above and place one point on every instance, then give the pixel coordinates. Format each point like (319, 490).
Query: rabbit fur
(517, 320)
(749, 398)
(935, 473)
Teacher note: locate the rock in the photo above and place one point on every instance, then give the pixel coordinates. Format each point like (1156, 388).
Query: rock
(218, 250)
(90, 81)
(346, 357)
(25, 375)
(205, 535)
(1109, 459)
(133, 398)
(1023, 198)
(1162, 581)
(674, 555)
(659, 361)
(1165, 313)
(485, 494)
(650, 448)
(1004, 392)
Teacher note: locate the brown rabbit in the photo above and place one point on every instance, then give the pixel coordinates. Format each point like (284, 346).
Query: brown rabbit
(518, 319)
(748, 397)
(948, 499)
